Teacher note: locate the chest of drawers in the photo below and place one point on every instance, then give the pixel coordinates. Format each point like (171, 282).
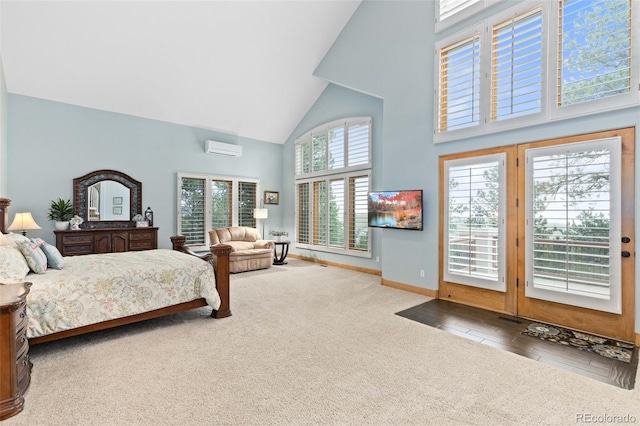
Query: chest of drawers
(14, 357)
(105, 240)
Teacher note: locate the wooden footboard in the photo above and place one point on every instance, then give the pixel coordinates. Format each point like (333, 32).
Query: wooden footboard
(222, 284)
(221, 251)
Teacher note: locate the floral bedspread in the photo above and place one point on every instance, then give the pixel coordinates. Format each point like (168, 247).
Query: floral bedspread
(99, 287)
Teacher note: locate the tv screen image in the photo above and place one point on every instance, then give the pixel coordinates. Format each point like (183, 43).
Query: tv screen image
(395, 209)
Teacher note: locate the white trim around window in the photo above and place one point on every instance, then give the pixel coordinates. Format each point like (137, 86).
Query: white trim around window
(529, 79)
(202, 222)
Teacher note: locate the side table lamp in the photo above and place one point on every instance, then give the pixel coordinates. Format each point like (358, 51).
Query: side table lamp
(23, 222)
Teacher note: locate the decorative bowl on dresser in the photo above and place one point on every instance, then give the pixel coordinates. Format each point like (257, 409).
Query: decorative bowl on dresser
(14, 356)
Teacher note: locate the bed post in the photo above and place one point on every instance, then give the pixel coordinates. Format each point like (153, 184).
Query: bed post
(4, 214)
(221, 270)
(221, 252)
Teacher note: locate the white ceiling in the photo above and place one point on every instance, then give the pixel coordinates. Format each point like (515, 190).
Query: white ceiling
(239, 67)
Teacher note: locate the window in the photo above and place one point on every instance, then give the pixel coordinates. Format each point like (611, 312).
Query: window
(530, 65)
(209, 202)
(449, 12)
(332, 214)
(573, 224)
(333, 173)
(516, 66)
(460, 84)
(474, 226)
(338, 146)
(594, 55)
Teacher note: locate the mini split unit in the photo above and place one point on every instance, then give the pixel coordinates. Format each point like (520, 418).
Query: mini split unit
(220, 148)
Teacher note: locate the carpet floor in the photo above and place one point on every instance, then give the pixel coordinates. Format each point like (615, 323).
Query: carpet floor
(306, 345)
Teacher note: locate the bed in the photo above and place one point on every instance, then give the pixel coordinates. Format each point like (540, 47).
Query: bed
(99, 291)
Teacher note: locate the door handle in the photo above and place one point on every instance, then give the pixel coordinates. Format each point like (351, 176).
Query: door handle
(626, 254)
(626, 239)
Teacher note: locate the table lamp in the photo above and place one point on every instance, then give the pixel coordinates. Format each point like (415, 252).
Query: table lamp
(23, 222)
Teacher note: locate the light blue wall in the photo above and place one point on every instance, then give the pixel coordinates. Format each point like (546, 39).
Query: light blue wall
(3, 132)
(335, 102)
(386, 50)
(51, 143)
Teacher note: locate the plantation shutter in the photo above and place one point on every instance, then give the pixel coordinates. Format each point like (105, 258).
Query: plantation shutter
(320, 212)
(246, 203)
(192, 210)
(459, 85)
(336, 212)
(303, 157)
(319, 146)
(358, 223)
(475, 222)
(221, 203)
(449, 8)
(594, 58)
(336, 147)
(516, 66)
(573, 223)
(359, 144)
(302, 213)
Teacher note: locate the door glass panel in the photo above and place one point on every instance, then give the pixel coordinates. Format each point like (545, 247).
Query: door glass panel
(475, 222)
(573, 224)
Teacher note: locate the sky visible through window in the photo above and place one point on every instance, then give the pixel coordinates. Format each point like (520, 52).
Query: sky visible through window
(594, 63)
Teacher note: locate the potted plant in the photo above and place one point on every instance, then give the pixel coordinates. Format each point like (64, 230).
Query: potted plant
(60, 211)
(278, 234)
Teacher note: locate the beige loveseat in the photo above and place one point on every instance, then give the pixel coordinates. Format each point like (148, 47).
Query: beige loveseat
(249, 250)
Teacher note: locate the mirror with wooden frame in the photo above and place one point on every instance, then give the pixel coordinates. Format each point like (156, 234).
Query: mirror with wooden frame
(107, 198)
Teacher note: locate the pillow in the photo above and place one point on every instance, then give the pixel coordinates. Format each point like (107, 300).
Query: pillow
(13, 266)
(4, 241)
(17, 239)
(54, 258)
(35, 257)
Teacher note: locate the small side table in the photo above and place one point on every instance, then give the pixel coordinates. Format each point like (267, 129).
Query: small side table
(279, 260)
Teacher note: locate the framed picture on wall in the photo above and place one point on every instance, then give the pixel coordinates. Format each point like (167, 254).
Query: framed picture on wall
(117, 201)
(117, 210)
(271, 197)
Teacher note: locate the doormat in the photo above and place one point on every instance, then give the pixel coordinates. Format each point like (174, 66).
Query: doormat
(609, 348)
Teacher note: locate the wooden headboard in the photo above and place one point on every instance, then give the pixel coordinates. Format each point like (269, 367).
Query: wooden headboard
(4, 214)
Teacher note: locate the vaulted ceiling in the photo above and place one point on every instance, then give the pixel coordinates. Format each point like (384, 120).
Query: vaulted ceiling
(238, 67)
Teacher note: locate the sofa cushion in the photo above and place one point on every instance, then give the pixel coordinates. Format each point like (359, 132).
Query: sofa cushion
(221, 235)
(240, 245)
(244, 233)
(241, 254)
(234, 233)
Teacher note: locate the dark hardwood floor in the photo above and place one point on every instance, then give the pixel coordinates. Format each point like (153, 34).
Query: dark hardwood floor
(504, 332)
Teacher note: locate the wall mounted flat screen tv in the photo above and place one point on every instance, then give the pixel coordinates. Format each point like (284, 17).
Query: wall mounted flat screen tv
(395, 209)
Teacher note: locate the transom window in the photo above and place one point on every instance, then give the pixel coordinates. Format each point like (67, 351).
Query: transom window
(534, 63)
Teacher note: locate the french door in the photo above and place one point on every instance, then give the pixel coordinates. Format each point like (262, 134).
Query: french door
(544, 231)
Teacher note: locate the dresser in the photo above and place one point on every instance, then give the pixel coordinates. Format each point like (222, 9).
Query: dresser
(14, 356)
(105, 240)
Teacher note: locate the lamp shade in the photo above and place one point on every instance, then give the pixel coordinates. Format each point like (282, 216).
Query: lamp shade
(260, 213)
(23, 222)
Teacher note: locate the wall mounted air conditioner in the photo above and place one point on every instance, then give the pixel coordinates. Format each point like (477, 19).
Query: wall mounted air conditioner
(221, 148)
